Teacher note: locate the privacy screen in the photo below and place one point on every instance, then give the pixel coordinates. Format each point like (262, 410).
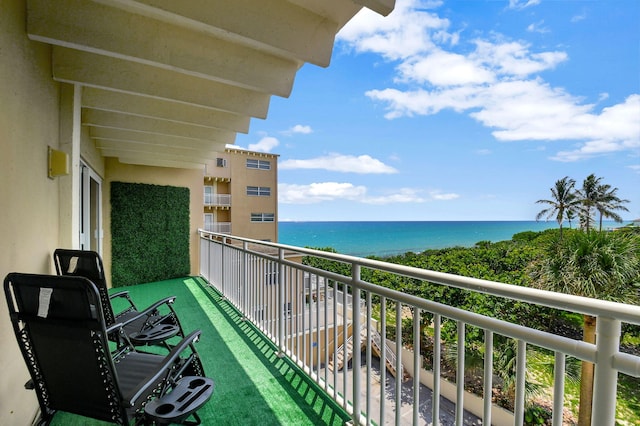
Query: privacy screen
(150, 233)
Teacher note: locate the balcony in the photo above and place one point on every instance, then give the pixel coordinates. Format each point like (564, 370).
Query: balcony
(279, 339)
(315, 318)
(222, 201)
(219, 227)
(252, 384)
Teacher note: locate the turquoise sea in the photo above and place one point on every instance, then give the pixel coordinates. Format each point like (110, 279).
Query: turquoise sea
(389, 238)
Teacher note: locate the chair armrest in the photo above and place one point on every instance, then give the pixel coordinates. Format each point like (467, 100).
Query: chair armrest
(114, 327)
(149, 311)
(123, 344)
(165, 367)
(124, 294)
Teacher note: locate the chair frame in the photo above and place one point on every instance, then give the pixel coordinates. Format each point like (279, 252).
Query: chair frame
(129, 377)
(133, 320)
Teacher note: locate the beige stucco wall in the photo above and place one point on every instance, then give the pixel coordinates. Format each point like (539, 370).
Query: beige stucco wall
(190, 178)
(29, 105)
(242, 205)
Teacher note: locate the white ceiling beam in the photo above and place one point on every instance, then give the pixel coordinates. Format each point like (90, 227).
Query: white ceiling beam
(154, 139)
(383, 7)
(144, 106)
(156, 162)
(173, 153)
(276, 26)
(90, 69)
(116, 120)
(342, 11)
(174, 80)
(96, 28)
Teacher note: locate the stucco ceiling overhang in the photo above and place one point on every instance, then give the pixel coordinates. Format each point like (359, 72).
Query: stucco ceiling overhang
(170, 83)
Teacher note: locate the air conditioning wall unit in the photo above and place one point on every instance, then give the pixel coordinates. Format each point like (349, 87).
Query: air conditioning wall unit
(221, 162)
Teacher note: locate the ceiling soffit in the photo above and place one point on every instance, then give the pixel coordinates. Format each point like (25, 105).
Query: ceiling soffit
(170, 83)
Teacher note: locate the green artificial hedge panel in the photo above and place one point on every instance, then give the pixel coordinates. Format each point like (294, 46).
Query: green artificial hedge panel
(149, 233)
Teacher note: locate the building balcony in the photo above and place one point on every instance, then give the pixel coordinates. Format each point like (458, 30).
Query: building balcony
(287, 343)
(317, 317)
(221, 201)
(219, 227)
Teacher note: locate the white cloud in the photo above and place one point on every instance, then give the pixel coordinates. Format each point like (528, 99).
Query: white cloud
(497, 83)
(298, 128)
(232, 146)
(266, 144)
(522, 4)
(635, 168)
(442, 68)
(405, 32)
(514, 58)
(578, 18)
(363, 164)
(402, 195)
(538, 27)
(331, 191)
(439, 196)
(318, 192)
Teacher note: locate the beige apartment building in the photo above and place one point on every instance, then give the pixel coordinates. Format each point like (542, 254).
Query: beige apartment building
(241, 194)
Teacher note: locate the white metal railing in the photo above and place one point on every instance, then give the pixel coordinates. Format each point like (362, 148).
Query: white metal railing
(223, 200)
(309, 322)
(218, 227)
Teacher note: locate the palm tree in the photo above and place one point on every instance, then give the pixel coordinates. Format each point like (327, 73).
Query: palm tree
(607, 202)
(602, 265)
(571, 214)
(563, 203)
(588, 196)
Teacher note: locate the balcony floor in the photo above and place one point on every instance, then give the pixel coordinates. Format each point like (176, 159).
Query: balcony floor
(253, 385)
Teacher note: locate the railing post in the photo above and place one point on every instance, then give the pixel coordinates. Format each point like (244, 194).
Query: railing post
(355, 301)
(488, 377)
(417, 365)
(521, 381)
(605, 381)
(460, 374)
(281, 283)
(244, 268)
(222, 267)
(437, 347)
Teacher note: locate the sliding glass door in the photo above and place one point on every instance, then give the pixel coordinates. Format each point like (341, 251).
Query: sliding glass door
(90, 209)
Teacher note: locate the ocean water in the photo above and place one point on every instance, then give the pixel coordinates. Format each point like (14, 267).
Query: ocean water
(390, 238)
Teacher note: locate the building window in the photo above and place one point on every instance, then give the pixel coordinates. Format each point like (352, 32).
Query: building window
(208, 195)
(287, 310)
(208, 222)
(258, 164)
(262, 191)
(263, 217)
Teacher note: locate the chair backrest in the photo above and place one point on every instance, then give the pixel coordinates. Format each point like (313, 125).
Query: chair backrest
(88, 264)
(60, 329)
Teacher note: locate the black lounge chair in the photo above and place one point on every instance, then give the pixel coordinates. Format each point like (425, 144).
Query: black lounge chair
(63, 338)
(152, 325)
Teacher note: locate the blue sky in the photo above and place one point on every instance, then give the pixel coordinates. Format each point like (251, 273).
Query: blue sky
(460, 110)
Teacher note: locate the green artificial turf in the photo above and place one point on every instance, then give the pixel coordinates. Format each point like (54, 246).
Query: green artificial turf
(253, 386)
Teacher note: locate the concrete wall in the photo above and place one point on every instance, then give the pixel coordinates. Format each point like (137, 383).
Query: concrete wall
(29, 229)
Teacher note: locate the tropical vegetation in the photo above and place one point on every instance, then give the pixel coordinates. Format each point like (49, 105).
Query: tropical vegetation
(590, 264)
(587, 261)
